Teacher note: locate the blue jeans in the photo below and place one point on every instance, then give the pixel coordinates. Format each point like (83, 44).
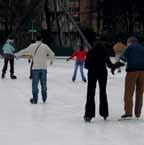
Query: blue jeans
(39, 75)
(81, 65)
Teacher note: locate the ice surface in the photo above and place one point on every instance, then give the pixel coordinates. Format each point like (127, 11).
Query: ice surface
(60, 120)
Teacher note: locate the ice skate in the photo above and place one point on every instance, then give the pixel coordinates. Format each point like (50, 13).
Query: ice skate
(126, 117)
(87, 119)
(33, 101)
(3, 76)
(13, 77)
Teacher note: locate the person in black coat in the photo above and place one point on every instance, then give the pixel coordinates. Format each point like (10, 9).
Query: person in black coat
(96, 62)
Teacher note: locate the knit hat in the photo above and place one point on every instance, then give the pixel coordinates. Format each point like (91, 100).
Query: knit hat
(132, 39)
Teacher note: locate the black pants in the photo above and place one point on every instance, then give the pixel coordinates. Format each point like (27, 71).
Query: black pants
(11, 61)
(93, 77)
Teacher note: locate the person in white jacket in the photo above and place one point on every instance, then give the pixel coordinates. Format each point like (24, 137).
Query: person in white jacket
(40, 52)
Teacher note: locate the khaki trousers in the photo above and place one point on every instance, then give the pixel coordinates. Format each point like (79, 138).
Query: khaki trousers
(134, 82)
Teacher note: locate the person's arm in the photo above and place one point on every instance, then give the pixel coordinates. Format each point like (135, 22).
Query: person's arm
(51, 55)
(87, 60)
(124, 55)
(26, 51)
(109, 63)
(73, 55)
(12, 48)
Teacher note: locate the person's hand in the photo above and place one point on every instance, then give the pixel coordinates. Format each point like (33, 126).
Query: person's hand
(115, 66)
(29, 61)
(67, 59)
(51, 62)
(113, 70)
(15, 56)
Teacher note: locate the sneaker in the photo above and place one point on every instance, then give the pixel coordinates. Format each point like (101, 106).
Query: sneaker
(126, 116)
(87, 119)
(13, 77)
(33, 101)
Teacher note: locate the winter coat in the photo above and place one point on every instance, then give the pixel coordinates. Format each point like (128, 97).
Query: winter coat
(8, 48)
(79, 55)
(41, 56)
(134, 56)
(97, 60)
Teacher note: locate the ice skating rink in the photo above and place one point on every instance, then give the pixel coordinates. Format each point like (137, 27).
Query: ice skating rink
(60, 120)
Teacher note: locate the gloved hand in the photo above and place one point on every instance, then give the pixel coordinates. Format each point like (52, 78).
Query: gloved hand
(67, 59)
(115, 66)
(113, 70)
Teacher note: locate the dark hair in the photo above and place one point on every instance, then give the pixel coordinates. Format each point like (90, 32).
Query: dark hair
(81, 48)
(98, 45)
(11, 36)
(32, 41)
(38, 36)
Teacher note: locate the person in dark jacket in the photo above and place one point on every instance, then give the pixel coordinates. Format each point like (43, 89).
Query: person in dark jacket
(134, 81)
(96, 62)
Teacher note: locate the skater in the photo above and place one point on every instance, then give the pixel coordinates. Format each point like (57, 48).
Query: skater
(96, 62)
(80, 55)
(8, 55)
(40, 53)
(134, 81)
(119, 48)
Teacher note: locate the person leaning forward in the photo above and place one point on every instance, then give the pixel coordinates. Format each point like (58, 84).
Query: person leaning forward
(134, 80)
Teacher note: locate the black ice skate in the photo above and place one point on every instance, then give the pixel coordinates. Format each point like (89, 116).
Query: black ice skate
(87, 119)
(126, 116)
(3, 76)
(13, 77)
(44, 100)
(105, 118)
(33, 101)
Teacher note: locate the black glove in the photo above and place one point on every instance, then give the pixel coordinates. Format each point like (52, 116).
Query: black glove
(115, 66)
(113, 70)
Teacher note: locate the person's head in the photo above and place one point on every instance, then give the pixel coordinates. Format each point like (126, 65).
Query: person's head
(38, 37)
(32, 41)
(98, 45)
(10, 39)
(81, 48)
(119, 40)
(132, 40)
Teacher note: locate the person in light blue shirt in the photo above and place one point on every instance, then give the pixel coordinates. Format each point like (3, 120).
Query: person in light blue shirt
(8, 55)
